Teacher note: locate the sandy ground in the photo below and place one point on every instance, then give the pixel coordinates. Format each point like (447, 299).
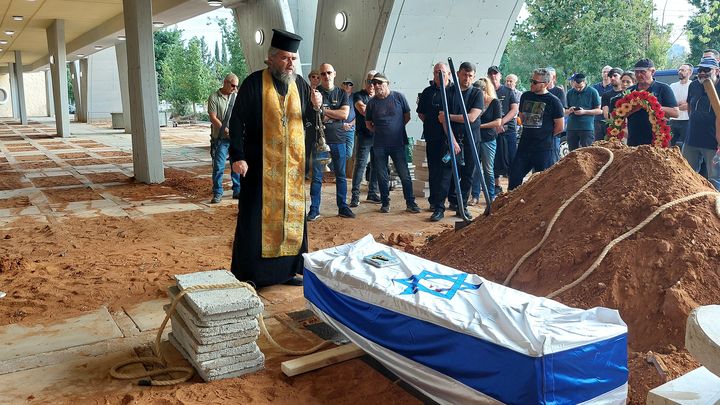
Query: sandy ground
(64, 268)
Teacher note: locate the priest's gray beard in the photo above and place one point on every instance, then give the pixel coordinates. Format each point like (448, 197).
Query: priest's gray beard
(283, 76)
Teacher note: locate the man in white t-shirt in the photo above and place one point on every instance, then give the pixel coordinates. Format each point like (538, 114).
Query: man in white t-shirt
(680, 89)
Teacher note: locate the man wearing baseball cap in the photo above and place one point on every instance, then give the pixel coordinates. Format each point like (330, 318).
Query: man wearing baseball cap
(638, 123)
(703, 134)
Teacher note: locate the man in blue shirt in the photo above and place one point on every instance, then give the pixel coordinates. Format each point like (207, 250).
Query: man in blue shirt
(703, 134)
(584, 104)
(386, 115)
(638, 123)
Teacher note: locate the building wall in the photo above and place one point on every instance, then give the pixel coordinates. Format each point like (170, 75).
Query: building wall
(35, 98)
(104, 85)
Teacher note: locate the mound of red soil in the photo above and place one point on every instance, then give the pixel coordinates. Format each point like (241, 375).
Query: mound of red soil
(654, 278)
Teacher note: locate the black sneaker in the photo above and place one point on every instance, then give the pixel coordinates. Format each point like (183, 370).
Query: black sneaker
(354, 202)
(216, 199)
(452, 207)
(413, 207)
(236, 195)
(437, 215)
(498, 190)
(295, 281)
(467, 214)
(385, 209)
(313, 215)
(346, 212)
(374, 198)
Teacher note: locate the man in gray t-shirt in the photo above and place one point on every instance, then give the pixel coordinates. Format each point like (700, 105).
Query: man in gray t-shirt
(219, 107)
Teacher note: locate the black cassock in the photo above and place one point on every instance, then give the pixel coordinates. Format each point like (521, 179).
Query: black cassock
(246, 135)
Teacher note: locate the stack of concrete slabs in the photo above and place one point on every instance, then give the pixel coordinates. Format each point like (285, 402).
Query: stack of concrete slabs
(216, 330)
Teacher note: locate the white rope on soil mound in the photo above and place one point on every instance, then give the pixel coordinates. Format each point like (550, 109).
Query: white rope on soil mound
(615, 241)
(159, 359)
(632, 231)
(557, 214)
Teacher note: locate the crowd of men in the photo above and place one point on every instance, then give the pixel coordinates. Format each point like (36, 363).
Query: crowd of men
(271, 126)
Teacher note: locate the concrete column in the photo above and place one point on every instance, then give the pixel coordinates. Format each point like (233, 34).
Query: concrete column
(77, 94)
(147, 149)
(121, 57)
(85, 89)
(22, 111)
(13, 91)
(49, 105)
(56, 48)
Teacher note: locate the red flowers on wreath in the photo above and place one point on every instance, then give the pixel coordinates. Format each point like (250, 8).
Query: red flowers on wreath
(629, 104)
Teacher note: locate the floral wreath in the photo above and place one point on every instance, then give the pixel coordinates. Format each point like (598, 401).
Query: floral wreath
(643, 99)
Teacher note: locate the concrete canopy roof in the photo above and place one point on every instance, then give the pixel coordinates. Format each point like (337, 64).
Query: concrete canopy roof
(90, 25)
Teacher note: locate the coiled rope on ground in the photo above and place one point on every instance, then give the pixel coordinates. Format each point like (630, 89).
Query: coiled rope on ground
(615, 241)
(187, 372)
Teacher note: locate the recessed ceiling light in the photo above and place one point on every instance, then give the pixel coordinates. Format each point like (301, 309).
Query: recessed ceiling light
(98, 47)
(215, 3)
(17, 17)
(9, 32)
(121, 37)
(81, 55)
(3, 42)
(158, 24)
(1, 50)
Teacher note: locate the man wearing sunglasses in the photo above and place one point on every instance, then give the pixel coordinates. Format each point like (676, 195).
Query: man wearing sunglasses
(220, 105)
(703, 133)
(542, 116)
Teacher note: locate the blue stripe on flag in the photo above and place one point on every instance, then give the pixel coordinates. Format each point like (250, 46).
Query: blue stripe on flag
(573, 376)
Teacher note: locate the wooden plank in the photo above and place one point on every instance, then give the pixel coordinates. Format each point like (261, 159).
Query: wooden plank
(320, 359)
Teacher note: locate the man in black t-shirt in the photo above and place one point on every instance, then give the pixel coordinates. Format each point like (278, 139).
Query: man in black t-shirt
(542, 116)
(638, 124)
(429, 108)
(606, 99)
(334, 110)
(364, 145)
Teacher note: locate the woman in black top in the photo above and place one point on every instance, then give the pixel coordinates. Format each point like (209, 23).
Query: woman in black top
(490, 120)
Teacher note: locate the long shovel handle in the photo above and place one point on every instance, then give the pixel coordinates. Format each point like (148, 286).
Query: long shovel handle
(448, 131)
(468, 129)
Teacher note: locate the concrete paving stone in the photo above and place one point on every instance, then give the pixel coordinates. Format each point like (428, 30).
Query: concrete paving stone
(162, 208)
(698, 387)
(147, 315)
(702, 336)
(20, 341)
(219, 373)
(241, 325)
(197, 341)
(189, 315)
(216, 301)
(246, 352)
(58, 383)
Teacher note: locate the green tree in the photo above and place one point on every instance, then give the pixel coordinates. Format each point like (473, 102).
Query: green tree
(236, 62)
(585, 36)
(165, 42)
(703, 28)
(186, 77)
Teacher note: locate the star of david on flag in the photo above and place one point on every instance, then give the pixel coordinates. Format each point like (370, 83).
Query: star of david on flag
(439, 285)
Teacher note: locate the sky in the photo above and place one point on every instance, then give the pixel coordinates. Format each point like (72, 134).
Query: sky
(675, 12)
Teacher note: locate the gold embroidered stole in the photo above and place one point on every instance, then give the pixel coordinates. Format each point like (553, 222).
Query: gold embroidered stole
(283, 211)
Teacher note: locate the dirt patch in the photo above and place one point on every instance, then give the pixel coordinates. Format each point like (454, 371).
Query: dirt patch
(45, 164)
(112, 153)
(11, 138)
(59, 196)
(85, 162)
(60, 146)
(15, 202)
(110, 177)
(53, 181)
(75, 155)
(31, 158)
(187, 183)
(654, 278)
(12, 181)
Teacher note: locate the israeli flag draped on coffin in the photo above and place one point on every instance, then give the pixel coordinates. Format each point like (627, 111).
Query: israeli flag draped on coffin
(459, 338)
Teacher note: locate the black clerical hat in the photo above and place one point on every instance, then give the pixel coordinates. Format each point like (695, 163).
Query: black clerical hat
(286, 41)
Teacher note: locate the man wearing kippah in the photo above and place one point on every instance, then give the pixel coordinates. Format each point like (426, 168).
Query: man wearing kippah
(703, 133)
(268, 150)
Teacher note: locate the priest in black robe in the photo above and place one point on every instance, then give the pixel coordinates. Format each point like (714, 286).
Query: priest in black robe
(268, 150)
